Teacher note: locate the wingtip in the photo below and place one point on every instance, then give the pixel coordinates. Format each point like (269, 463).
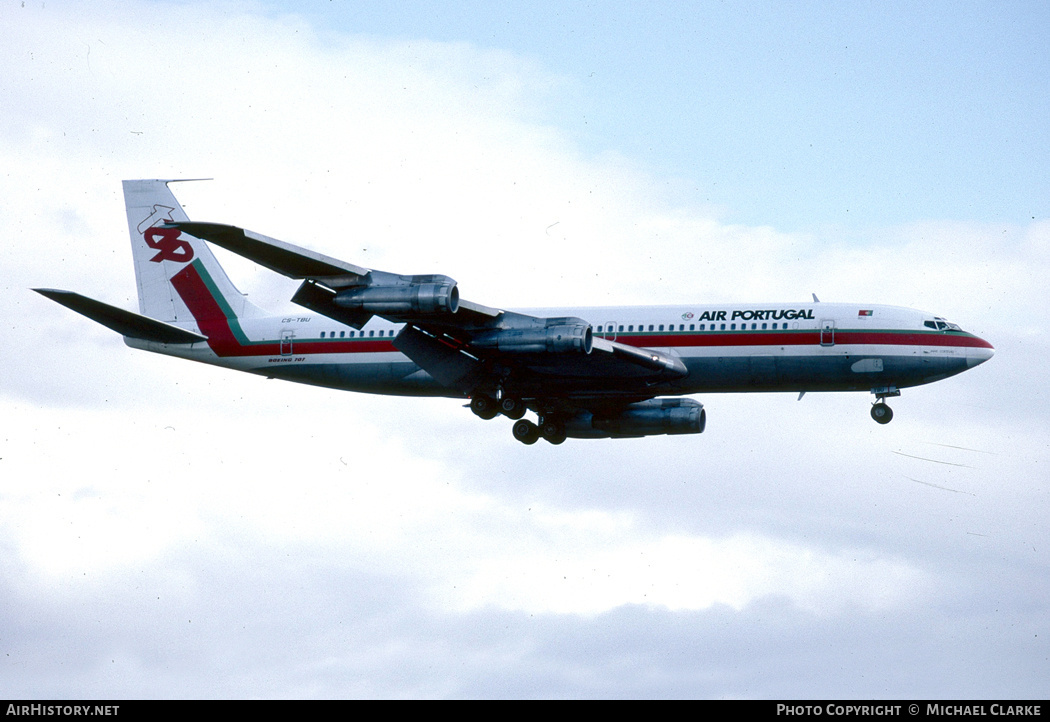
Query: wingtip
(49, 292)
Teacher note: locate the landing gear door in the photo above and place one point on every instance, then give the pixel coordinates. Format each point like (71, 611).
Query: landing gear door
(827, 332)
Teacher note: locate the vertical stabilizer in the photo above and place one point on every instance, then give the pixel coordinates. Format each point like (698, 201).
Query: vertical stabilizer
(162, 253)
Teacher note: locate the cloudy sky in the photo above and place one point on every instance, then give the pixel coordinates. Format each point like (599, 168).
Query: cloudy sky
(173, 530)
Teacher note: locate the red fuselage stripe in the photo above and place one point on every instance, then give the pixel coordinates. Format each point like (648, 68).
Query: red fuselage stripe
(214, 323)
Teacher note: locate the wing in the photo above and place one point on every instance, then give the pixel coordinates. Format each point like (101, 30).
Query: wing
(464, 345)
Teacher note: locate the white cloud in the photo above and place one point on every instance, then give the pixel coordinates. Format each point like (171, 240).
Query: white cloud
(90, 493)
(580, 571)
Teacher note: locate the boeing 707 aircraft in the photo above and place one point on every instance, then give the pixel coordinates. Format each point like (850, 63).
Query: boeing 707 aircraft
(585, 373)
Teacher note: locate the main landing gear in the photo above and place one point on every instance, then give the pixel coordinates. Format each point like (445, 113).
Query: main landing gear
(880, 411)
(487, 407)
(484, 407)
(549, 427)
(529, 433)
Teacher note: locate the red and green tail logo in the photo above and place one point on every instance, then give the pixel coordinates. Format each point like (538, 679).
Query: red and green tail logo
(168, 245)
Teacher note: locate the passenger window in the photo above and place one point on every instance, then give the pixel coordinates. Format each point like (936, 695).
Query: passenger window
(342, 334)
(723, 327)
(661, 327)
(691, 327)
(650, 327)
(763, 327)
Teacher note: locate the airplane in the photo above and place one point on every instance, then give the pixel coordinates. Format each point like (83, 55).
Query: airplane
(585, 373)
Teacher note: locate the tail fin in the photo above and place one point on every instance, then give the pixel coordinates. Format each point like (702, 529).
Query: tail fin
(162, 253)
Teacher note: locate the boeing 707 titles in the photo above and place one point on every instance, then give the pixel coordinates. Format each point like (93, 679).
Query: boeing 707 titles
(585, 373)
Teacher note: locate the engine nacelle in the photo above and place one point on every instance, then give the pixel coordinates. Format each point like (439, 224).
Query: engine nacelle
(435, 295)
(555, 338)
(645, 418)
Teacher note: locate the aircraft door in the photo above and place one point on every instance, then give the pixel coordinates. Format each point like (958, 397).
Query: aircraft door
(827, 332)
(610, 331)
(286, 342)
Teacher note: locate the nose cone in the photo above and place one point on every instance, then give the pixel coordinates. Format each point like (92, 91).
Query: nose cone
(977, 355)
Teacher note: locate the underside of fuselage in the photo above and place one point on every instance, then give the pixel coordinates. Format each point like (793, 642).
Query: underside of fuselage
(844, 370)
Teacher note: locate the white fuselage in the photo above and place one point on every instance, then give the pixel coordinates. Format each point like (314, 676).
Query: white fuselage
(726, 348)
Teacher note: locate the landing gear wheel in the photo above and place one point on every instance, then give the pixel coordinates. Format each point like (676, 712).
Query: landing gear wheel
(553, 431)
(484, 406)
(526, 432)
(511, 407)
(882, 413)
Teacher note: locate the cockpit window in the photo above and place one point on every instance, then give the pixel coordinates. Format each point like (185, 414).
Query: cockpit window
(941, 325)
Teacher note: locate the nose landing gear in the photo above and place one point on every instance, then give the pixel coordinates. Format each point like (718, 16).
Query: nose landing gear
(882, 413)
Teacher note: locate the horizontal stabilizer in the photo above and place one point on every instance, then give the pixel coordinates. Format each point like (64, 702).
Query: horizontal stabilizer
(284, 258)
(123, 322)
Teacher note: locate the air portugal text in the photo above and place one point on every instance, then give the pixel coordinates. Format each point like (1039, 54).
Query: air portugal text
(754, 315)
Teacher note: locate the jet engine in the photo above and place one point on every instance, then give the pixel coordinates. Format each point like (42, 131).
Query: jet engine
(645, 418)
(422, 295)
(560, 335)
